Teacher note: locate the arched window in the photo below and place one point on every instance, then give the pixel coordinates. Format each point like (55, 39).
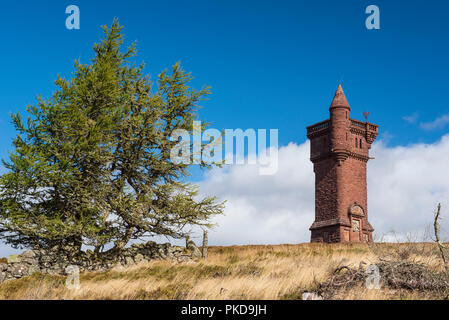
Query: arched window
(360, 143)
(356, 142)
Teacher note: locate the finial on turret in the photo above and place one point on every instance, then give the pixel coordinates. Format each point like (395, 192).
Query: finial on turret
(339, 99)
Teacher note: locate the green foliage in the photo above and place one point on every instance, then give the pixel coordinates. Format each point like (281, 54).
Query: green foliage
(92, 164)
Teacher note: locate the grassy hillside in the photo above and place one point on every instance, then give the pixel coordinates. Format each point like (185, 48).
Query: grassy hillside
(239, 272)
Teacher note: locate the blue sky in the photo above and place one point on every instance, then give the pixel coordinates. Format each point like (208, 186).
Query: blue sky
(271, 64)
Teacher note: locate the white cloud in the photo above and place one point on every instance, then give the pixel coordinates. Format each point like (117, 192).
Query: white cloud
(411, 118)
(265, 209)
(438, 123)
(404, 185)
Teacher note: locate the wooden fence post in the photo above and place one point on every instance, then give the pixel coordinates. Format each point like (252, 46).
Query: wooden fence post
(205, 241)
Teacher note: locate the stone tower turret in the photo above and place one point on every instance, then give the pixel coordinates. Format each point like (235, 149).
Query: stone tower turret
(339, 123)
(339, 150)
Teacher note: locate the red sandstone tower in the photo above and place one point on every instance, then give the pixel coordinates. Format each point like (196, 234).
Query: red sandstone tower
(339, 150)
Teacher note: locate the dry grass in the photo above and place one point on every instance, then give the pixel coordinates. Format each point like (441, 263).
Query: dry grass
(237, 272)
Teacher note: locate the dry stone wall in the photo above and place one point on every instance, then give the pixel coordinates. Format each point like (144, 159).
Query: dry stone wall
(59, 260)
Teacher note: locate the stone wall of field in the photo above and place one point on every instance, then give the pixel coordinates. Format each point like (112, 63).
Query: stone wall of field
(61, 260)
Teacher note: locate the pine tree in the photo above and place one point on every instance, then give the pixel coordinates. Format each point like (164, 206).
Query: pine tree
(92, 164)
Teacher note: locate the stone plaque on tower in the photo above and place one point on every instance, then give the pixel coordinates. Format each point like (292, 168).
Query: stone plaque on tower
(339, 150)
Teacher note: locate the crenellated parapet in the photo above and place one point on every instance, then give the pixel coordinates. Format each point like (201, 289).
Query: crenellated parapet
(318, 129)
(365, 129)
